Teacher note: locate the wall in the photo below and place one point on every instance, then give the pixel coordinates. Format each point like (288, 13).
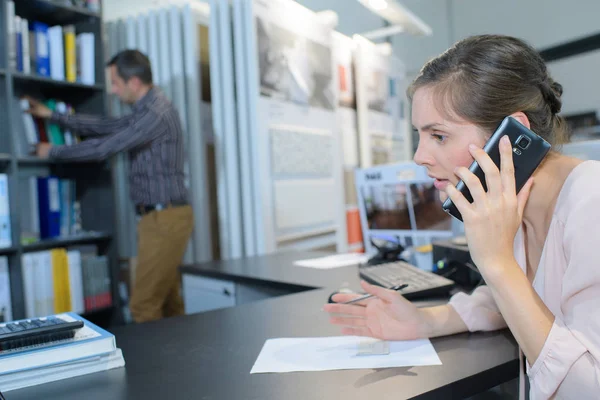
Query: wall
(579, 76)
(542, 23)
(415, 51)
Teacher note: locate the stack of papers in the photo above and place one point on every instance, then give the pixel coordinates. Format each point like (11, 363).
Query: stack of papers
(340, 352)
(92, 349)
(334, 261)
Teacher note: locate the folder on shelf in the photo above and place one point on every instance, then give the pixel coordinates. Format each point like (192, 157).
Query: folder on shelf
(18, 43)
(60, 275)
(5, 300)
(28, 123)
(70, 53)
(49, 206)
(66, 134)
(25, 47)
(57, 53)
(29, 285)
(76, 281)
(55, 135)
(85, 58)
(32, 50)
(5, 225)
(42, 51)
(12, 41)
(24, 142)
(44, 273)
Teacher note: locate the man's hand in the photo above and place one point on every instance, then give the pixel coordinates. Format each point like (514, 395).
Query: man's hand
(43, 149)
(37, 108)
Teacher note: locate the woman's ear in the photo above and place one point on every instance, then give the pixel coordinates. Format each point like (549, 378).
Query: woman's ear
(522, 118)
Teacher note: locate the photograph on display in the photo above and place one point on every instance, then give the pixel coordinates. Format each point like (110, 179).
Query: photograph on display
(387, 207)
(294, 68)
(378, 91)
(427, 207)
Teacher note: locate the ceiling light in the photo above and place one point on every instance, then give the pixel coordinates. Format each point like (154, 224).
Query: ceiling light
(396, 14)
(378, 4)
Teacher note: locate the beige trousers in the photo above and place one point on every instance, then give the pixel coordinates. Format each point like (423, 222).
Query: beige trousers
(162, 239)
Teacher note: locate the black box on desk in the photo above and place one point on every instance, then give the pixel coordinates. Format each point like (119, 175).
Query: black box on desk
(452, 259)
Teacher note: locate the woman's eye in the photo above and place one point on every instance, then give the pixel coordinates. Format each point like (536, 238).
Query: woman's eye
(438, 138)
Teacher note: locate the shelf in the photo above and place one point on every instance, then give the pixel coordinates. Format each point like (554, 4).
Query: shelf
(36, 161)
(5, 160)
(7, 250)
(47, 244)
(28, 79)
(53, 12)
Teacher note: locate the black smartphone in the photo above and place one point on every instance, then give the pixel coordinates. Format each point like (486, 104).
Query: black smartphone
(529, 150)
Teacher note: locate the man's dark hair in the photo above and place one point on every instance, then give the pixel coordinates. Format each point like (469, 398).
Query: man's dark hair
(130, 63)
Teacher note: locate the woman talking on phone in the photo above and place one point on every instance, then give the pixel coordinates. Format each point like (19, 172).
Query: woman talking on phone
(536, 249)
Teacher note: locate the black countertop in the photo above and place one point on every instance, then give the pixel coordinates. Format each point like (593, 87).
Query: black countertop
(210, 355)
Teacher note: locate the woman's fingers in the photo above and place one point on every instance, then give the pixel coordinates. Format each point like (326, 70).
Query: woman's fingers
(380, 292)
(358, 331)
(490, 169)
(344, 297)
(461, 203)
(347, 309)
(507, 166)
(353, 322)
(473, 184)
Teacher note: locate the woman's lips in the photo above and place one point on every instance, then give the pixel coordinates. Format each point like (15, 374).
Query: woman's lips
(440, 184)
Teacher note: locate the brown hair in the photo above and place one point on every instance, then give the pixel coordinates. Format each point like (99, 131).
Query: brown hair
(482, 79)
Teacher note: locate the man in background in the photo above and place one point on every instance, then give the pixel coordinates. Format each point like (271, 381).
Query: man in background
(152, 135)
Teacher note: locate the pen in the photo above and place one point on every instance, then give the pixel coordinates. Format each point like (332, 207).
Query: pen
(366, 296)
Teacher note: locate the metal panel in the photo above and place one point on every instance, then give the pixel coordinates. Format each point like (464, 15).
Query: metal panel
(253, 96)
(230, 134)
(142, 33)
(201, 236)
(178, 93)
(218, 109)
(244, 127)
(164, 58)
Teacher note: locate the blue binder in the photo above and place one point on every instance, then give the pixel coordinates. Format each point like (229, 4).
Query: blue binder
(49, 206)
(42, 48)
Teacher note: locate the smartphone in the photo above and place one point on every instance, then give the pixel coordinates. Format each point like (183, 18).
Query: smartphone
(529, 150)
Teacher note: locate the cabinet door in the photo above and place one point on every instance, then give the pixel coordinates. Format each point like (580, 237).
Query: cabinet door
(203, 294)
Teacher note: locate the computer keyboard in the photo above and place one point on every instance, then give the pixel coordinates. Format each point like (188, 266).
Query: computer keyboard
(36, 331)
(420, 283)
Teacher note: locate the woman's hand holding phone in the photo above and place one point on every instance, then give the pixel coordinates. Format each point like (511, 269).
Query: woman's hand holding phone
(493, 219)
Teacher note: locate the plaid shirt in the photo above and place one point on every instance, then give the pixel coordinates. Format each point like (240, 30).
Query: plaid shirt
(153, 136)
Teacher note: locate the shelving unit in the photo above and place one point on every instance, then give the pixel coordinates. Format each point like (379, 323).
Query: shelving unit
(87, 238)
(55, 12)
(51, 83)
(94, 180)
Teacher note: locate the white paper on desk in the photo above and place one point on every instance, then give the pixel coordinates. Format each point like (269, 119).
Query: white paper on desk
(334, 261)
(339, 352)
